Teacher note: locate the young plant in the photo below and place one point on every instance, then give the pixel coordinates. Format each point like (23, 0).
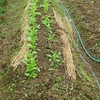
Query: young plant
(47, 21)
(46, 5)
(32, 68)
(51, 36)
(54, 58)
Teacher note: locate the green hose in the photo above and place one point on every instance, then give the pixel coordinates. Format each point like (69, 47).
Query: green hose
(77, 32)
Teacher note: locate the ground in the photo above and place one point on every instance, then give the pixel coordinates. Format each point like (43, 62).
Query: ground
(51, 82)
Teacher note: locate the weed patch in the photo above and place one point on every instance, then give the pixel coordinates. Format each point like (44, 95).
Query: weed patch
(2, 2)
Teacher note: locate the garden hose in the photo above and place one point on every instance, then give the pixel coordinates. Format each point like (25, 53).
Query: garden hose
(77, 32)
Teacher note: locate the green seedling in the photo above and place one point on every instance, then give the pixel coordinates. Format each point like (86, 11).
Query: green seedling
(50, 36)
(58, 79)
(45, 5)
(92, 1)
(32, 67)
(89, 11)
(54, 58)
(47, 21)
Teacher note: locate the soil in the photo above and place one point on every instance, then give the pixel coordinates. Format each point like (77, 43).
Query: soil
(51, 82)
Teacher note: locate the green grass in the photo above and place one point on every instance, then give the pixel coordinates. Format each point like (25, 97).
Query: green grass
(1, 8)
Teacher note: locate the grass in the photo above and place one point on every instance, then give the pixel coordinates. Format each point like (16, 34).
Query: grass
(1, 9)
(1, 6)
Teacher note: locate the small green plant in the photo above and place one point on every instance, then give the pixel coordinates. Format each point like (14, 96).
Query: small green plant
(58, 79)
(46, 5)
(32, 67)
(1, 76)
(10, 88)
(85, 75)
(89, 11)
(50, 36)
(47, 21)
(54, 58)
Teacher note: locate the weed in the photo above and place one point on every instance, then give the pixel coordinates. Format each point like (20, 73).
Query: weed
(89, 11)
(1, 8)
(83, 72)
(58, 79)
(57, 87)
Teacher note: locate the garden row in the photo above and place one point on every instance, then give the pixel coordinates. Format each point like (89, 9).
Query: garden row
(53, 56)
